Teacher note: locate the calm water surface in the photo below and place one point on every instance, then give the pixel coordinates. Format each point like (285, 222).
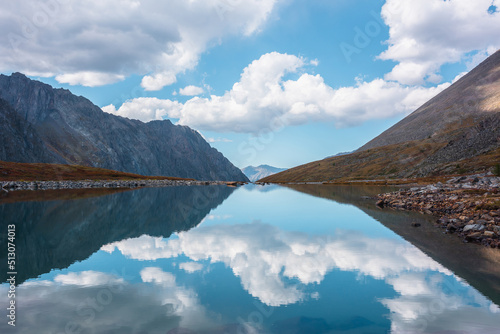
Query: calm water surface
(309, 259)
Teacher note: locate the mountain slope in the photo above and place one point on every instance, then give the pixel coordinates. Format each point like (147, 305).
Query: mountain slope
(473, 98)
(19, 138)
(55, 126)
(457, 131)
(259, 172)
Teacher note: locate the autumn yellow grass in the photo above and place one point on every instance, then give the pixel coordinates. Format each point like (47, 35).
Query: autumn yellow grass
(13, 171)
(384, 165)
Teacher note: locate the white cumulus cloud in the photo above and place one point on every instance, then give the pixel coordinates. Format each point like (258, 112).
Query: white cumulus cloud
(93, 43)
(191, 267)
(191, 90)
(264, 97)
(425, 34)
(146, 109)
(217, 140)
(89, 79)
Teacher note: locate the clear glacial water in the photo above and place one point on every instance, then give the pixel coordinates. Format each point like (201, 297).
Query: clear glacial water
(308, 259)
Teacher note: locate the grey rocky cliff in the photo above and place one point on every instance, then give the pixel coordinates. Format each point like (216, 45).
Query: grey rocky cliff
(19, 139)
(55, 126)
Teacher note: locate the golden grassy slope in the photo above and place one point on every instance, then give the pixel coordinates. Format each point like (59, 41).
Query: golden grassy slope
(13, 171)
(389, 162)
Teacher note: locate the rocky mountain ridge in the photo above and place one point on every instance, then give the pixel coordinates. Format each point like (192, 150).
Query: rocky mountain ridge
(43, 124)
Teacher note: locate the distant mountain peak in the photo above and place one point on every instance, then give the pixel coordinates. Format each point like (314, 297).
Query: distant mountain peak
(261, 171)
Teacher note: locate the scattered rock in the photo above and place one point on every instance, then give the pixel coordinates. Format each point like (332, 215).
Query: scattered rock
(443, 220)
(451, 228)
(473, 236)
(460, 205)
(489, 234)
(86, 184)
(474, 227)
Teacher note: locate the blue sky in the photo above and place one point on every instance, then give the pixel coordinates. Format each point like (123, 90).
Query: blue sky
(279, 82)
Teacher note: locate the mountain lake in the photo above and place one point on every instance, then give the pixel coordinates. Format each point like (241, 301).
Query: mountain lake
(253, 259)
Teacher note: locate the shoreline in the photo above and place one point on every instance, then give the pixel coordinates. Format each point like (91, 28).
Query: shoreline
(370, 182)
(468, 206)
(8, 186)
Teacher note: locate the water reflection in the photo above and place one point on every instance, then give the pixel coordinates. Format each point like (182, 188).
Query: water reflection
(55, 234)
(266, 259)
(241, 273)
(96, 302)
(479, 266)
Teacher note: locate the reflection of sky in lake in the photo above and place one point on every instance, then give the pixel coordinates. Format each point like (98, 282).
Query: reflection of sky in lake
(276, 261)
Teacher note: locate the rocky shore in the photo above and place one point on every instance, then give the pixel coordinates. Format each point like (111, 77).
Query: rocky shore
(88, 184)
(468, 206)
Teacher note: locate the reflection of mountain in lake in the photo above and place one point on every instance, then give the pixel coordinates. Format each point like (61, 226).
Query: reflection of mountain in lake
(55, 234)
(248, 275)
(478, 265)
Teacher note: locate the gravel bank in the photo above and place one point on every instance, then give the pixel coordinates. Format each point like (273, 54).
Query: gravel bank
(468, 206)
(87, 184)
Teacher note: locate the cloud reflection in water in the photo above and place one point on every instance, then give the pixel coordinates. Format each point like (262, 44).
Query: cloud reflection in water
(267, 260)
